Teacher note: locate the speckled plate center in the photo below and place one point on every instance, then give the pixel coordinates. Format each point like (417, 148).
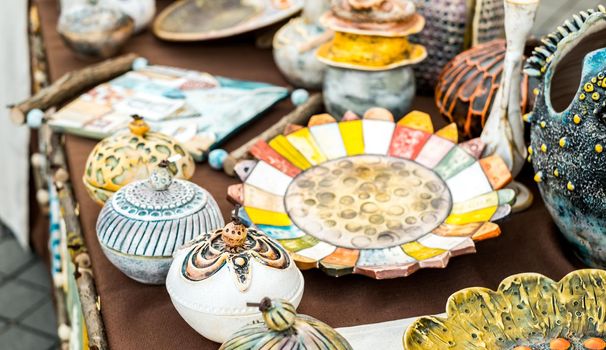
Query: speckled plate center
(368, 201)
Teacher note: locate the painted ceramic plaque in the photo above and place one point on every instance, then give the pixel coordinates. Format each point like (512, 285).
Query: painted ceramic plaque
(374, 197)
(196, 20)
(527, 312)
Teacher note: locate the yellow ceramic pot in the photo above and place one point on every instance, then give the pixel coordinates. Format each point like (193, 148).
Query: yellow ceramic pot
(132, 155)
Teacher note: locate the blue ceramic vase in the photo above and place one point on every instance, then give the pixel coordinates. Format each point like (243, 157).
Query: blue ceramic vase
(567, 148)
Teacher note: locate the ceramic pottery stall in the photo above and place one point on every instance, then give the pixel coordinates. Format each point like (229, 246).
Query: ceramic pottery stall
(453, 26)
(95, 31)
(567, 147)
(132, 155)
(527, 312)
(370, 58)
(212, 281)
(372, 197)
(143, 223)
(467, 86)
(295, 46)
(282, 329)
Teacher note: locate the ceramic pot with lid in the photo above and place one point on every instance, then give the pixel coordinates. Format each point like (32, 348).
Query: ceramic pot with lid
(213, 281)
(145, 222)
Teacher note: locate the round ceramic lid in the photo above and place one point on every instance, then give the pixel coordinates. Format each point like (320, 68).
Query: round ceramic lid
(154, 217)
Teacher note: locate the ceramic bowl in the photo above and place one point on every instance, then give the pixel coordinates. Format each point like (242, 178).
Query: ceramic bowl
(527, 312)
(142, 225)
(212, 281)
(95, 31)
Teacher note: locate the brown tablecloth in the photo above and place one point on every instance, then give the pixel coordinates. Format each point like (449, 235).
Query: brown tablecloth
(138, 316)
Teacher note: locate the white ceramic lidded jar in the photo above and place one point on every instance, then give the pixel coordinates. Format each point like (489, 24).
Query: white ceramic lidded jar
(213, 281)
(145, 222)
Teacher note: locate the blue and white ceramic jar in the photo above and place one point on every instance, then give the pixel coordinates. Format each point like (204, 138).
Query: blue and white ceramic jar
(567, 148)
(143, 223)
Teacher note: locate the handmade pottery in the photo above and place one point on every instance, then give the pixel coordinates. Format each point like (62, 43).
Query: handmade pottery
(452, 27)
(194, 20)
(467, 86)
(371, 196)
(141, 11)
(527, 312)
(282, 328)
(129, 156)
(567, 147)
(95, 31)
(295, 45)
(212, 280)
(370, 56)
(145, 222)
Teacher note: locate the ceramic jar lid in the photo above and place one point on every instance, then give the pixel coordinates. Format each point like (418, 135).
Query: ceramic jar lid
(132, 155)
(154, 217)
(390, 18)
(282, 328)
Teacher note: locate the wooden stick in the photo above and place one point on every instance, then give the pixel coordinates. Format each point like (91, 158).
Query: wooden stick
(299, 116)
(72, 84)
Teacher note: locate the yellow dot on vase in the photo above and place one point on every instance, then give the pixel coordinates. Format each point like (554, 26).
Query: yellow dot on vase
(576, 119)
(594, 80)
(543, 124)
(527, 117)
(543, 148)
(556, 172)
(598, 148)
(529, 149)
(543, 69)
(570, 186)
(588, 87)
(535, 91)
(595, 96)
(529, 159)
(582, 96)
(563, 142)
(538, 177)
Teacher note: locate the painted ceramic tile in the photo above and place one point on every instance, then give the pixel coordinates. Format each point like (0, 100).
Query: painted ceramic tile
(283, 147)
(317, 252)
(454, 162)
(262, 151)
(469, 183)
(377, 136)
(407, 143)
(434, 150)
(305, 143)
(281, 232)
(353, 138)
(257, 198)
(328, 137)
(269, 179)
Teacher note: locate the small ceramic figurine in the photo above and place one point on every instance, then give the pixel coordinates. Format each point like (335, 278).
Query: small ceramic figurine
(369, 59)
(503, 132)
(131, 155)
(142, 224)
(212, 280)
(95, 30)
(453, 26)
(468, 84)
(527, 312)
(283, 329)
(295, 45)
(567, 147)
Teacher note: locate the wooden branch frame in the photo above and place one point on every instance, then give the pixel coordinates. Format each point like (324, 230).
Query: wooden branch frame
(71, 85)
(299, 116)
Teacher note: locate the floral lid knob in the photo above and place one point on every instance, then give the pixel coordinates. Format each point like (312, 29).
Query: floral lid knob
(284, 329)
(162, 177)
(138, 126)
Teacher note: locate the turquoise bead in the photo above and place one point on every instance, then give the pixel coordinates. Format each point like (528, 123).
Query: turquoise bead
(216, 158)
(140, 63)
(34, 118)
(299, 97)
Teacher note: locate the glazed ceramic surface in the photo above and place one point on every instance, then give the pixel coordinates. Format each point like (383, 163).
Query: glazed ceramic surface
(357, 90)
(141, 11)
(194, 20)
(527, 312)
(567, 147)
(454, 26)
(96, 31)
(374, 197)
(282, 328)
(295, 45)
(467, 86)
(212, 281)
(129, 156)
(142, 224)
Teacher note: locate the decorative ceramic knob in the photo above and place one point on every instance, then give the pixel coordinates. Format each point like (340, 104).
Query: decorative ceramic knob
(212, 281)
(161, 177)
(284, 329)
(130, 156)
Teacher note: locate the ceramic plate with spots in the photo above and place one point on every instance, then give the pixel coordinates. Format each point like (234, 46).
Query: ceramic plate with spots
(373, 197)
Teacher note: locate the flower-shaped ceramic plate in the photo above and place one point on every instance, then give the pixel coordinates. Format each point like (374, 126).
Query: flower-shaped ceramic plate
(527, 312)
(195, 20)
(371, 196)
